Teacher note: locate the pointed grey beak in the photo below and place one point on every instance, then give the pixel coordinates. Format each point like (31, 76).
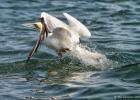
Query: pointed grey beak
(43, 34)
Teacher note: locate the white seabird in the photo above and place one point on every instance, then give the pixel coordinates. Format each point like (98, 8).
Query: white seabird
(58, 35)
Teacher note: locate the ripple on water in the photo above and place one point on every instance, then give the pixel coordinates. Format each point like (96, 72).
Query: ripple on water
(115, 33)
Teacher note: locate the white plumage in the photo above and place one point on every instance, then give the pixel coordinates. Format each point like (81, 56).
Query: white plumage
(64, 35)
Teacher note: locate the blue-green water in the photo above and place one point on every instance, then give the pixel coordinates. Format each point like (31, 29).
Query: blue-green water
(115, 28)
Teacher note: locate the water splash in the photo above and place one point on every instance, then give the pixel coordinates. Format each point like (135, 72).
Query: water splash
(88, 57)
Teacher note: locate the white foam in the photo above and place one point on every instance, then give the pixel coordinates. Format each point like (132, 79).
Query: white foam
(87, 57)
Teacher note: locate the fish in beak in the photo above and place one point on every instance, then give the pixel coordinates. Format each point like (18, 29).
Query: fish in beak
(43, 34)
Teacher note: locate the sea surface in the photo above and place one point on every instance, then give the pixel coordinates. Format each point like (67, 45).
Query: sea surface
(115, 28)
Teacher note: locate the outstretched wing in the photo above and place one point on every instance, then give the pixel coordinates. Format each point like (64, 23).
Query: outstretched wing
(53, 22)
(77, 26)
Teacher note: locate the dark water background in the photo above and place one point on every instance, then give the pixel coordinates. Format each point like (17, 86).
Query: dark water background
(115, 28)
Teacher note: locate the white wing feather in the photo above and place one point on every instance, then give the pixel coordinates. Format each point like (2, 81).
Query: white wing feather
(52, 22)
(77, 26)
